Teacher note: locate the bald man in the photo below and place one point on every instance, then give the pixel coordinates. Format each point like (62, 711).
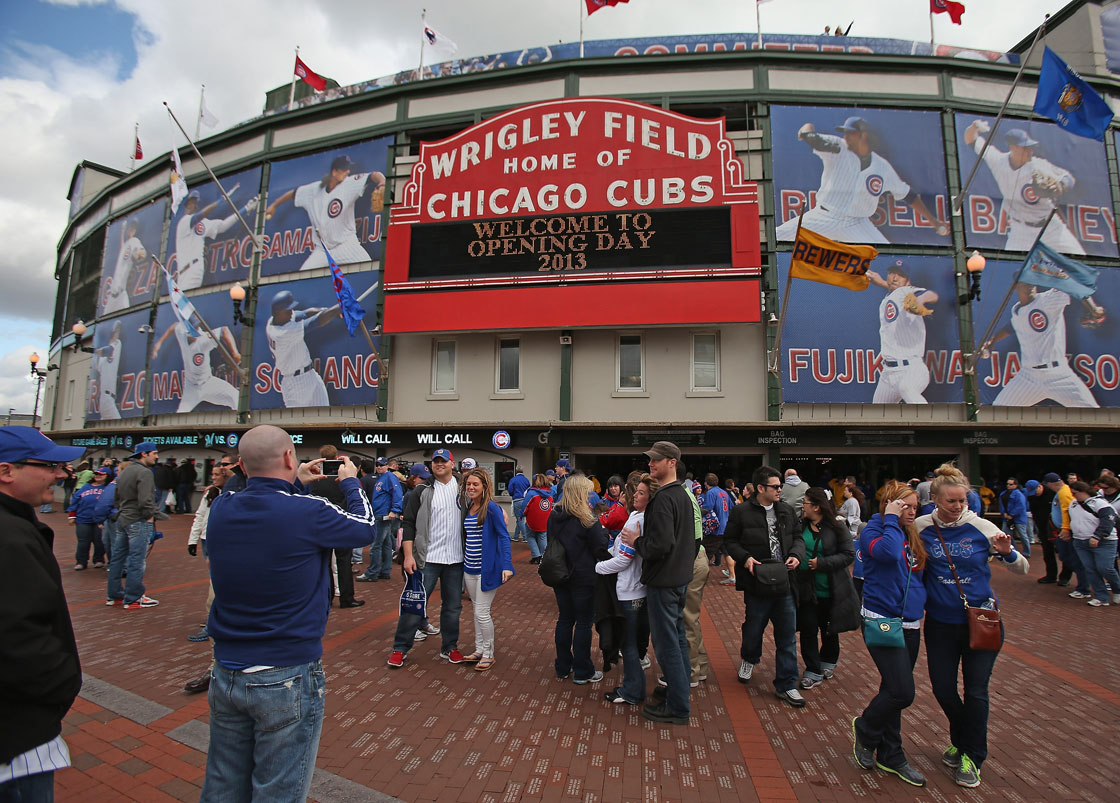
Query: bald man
(270, 550)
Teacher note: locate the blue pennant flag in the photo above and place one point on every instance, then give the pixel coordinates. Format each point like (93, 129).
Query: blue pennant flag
(1065, 98)
(181, 305)
(352, 312)
(1045, 267)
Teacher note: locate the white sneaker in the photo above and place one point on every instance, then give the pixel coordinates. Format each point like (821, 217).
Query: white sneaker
(1079, 595)
(746, 669)
(1116, 599)
(430, 629)
(420, 636)
(646, 662)
(1096, 603)
(593, 679)
(793, 697)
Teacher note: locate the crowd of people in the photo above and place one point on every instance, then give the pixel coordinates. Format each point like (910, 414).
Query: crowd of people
(629, 559)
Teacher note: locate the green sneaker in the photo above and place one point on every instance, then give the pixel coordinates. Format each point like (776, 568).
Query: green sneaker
(968, 774)
(951, 757)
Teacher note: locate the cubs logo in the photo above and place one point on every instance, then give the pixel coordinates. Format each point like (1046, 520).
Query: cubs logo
(890, 312)
(874, 185)
(200, 228)
(197, 359)
(545, 503)
(1028, 194)
(1038, 320)
(939, 5)
(1070, 99)
(501, 439)
(334, 208)
(106, 291)
(232, 439)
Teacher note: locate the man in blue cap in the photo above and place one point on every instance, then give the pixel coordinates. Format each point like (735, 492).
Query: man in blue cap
(39, 671)
(135, 498)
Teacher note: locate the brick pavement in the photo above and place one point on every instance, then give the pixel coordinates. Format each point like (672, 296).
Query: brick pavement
(433, 731)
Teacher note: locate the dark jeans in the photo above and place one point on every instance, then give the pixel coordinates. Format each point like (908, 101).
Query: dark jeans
(666, 627)
(880, 726)
(183, 492)
(576, 606)
(88, 534)
(947, 650)
(450, 579)
(781, 612)
(1048, 555)
(633, 686)
(1071, 565)
(37, 788)
(345, 574)
(813, 617)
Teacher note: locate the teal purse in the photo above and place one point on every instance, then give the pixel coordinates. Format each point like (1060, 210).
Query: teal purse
(887, 632)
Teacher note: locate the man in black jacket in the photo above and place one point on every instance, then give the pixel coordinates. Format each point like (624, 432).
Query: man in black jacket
(764, 531)
(185, 478)
(668, 549)
(39, 671)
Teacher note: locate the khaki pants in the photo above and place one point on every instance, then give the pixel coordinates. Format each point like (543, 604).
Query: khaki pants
(698, 656)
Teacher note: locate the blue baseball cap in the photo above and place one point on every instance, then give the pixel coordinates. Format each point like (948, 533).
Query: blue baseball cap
(443, 454)
(564, 464)
(419, 470)
(104, 470)
(550, 473)
(27, 443)
(1030, 487)
(144, 446)
(382, 461)
(1017, 136)
(854, 124)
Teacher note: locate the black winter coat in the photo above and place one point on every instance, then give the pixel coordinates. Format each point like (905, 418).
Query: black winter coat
(836, 555)
(747, 536)
(585, 546)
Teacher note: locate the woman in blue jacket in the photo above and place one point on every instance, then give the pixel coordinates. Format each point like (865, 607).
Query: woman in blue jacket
(538, 539)
(971, 542)
(893, 564)
(487, 561)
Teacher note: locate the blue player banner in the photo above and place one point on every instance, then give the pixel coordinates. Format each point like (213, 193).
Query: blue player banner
(128, 275)
(1030, 169)
(302, 354)
(870, 176)
(207, 244)
(195, 373)
(1048, 348)
(895, 342)
(335, 195)
(117, 380)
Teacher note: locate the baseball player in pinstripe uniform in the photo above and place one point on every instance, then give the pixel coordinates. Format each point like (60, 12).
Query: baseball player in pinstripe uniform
(853, 181)
(1038, 320)
(192, 231)
(301, 385)
(108, 365)
(902, 337)
(115, 293)
(1030, 187)
(199, 382)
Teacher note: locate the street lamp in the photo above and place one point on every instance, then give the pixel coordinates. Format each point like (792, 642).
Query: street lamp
(39, 376)
(79, 330)
(237, 293)
(975, 265)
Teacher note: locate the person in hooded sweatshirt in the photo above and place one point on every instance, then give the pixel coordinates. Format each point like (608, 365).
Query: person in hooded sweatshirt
(794, 488)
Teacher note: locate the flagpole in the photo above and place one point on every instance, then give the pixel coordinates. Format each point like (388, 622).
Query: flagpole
(292, 89)
(135, 139)
(423, 36)
(931, 33)
(198, 122)
(758, 27)
(777, 351)
(221, 189)
(959, 199)
(580, 28)
(243, 375)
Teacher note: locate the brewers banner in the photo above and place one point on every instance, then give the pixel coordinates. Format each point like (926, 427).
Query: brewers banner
(336, 195)
(861, 175)
(302, 354)
(1030, 169)
(128, 275)
(897, 341)
(117, 380)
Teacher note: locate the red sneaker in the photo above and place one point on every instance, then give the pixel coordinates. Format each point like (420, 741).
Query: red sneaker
(454, 656)
(396, 660)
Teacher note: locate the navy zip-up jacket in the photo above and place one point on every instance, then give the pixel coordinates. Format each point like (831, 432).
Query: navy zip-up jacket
(270, 552)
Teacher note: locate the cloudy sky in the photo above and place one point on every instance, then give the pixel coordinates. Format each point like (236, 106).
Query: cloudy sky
(77, 75)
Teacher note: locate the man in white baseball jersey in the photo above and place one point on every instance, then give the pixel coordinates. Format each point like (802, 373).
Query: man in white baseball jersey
(108, 364)
(329, 204)
(301, 385)
(902, 337)
(1030, 186)
(853, 181)
(199, 382)
(115, 293)
(1038, 320)
(192, 231)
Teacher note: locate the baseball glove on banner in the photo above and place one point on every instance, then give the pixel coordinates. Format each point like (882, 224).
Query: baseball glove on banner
(1093, 317)
(1046, 186)
(911, 304)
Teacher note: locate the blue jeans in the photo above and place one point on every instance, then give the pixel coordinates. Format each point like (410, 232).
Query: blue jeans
(1071, 563)
(520, 528)
(1100, 567)
(381, 550)
(781, 612)
(537, 542)
(264, 733)
(576, 606)
(947, 651)
(880, 726)
(666, 628)
(130, 553)
(88, 534)
(1021, 533)
(183, 493)
(37, 788)
(450, 579)
(633, 686)
(108, 533)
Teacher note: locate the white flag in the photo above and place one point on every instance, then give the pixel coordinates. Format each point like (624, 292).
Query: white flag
(205, 116)
(178, 183)
(438, 42)
(181, 305)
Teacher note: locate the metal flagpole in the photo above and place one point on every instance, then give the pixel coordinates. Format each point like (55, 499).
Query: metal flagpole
(580, 2)
(931, 33)
(777, 352)
(758, 23)
(198, 122)
(292, 90)
(244, 375)
(135, 139)
(423, 36)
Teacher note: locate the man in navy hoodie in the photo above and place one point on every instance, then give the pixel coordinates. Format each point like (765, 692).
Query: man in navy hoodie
(267, 689)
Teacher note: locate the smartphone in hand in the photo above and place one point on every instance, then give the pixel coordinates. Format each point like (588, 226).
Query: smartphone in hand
(330, 467)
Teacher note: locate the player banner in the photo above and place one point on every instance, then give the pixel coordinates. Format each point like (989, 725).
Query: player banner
(1049, 347)
(128, 275)
(864, 175)
(192, 374)
(897, 341)
(117, 380)
(302, 354)
(206, 243)
(340, 193)
(1029, 169)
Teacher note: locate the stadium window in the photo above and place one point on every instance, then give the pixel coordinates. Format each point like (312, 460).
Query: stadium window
(735, 113)
(443, 367)
(418, 135)
(630, 361)
(705, 361)
(508, 368)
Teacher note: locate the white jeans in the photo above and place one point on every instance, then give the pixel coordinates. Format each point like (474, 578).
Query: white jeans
(483, 624)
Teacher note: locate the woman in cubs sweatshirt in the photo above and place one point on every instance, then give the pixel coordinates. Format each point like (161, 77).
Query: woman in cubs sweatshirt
(970, 541)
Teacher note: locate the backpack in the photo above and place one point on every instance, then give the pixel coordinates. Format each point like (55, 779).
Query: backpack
(553, 568)
(710, 523)
(537, 511)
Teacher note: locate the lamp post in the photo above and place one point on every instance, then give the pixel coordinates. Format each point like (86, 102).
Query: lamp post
(39, 376)
(237, 294)
(79, 330)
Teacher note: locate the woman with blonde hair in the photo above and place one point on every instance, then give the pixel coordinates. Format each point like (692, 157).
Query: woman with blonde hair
(585, 542)
(960, 544)
(487, 562)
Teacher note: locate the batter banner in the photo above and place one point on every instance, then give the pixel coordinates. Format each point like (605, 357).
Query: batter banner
(117, 379)
(207, 244)
(1030, 169)
(194, 373)
(871, 176)
(1049, 347)
(335, 195)
(128, 275)
(302, 354)
(895, 342)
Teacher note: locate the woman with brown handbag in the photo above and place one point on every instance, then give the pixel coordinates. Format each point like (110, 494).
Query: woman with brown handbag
(963, 631)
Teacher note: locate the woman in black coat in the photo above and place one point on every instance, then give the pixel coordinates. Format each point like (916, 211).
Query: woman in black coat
(827, 601)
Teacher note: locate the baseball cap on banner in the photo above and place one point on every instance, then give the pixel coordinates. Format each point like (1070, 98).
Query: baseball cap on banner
(1017, 136)
(443, 454)
(419, 470)
(27, 443)
(283, 300)
(664, 450)
(469, 463)
(341, 163)
(854, 124)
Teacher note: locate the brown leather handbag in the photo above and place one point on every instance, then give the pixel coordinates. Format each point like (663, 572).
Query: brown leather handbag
(984, 625)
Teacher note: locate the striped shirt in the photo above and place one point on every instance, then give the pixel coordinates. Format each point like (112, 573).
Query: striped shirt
(444, 544)
(472, 556)
(54, 755)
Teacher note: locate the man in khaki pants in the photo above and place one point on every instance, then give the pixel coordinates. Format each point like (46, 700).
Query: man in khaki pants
(698, 656)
